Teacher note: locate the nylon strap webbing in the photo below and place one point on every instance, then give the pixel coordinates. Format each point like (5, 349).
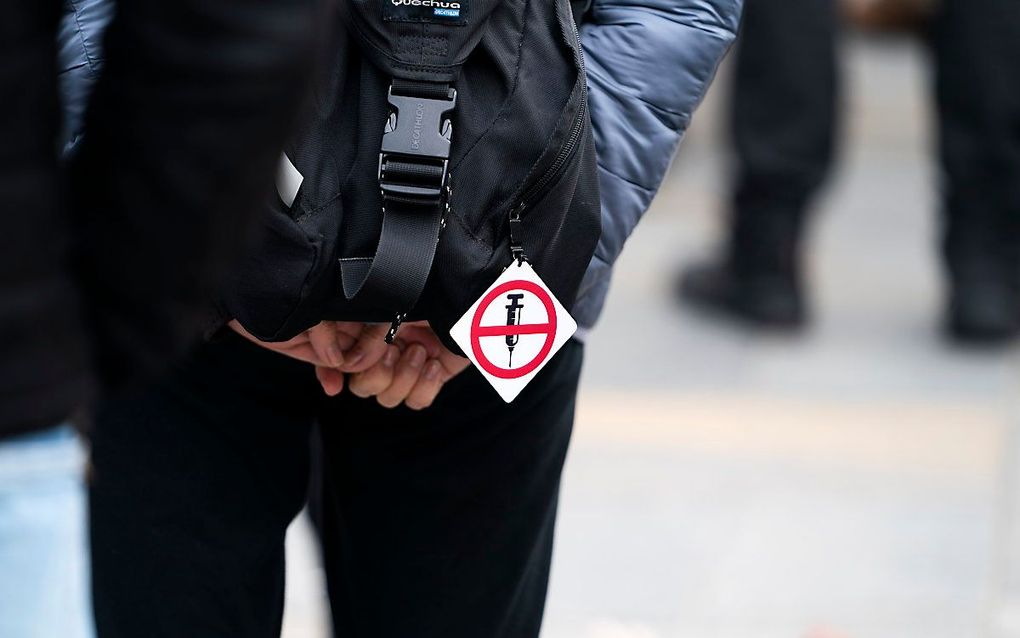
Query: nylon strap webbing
(413, 215)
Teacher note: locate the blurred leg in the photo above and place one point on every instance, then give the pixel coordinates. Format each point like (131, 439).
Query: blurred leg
(783, 124)
(439, 524)
(44, 363)
(977, 50)
(44, 584)
(195, 482)
(43, 559)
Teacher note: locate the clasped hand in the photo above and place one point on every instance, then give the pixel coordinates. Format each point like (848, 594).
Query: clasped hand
(412, 370)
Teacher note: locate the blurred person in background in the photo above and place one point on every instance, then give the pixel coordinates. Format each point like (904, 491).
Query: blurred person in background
(783, 122)
(104, 265)
(436, 522)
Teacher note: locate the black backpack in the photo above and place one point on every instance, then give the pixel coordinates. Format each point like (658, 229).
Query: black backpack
(447, 138)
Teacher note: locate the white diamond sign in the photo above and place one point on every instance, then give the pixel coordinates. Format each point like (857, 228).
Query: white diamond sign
(513, 330)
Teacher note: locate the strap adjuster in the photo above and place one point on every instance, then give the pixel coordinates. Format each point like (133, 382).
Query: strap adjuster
(414, 159)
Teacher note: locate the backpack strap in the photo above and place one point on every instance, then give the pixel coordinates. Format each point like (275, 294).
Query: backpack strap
(413, 176)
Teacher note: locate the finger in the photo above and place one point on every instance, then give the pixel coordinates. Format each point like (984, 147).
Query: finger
(351, 329)
(331, 380)
(405, 376)
(302, 352)
(377, 378)
(427, 388)
(323, 340)
(421, 333)
(347, 333)
(299, 347)
(272, 345)
(369, 350)
(452, 365)
(236, 326)
(345, 338)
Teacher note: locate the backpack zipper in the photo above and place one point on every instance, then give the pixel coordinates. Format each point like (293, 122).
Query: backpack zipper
(535, 192)
(538, 189)
(559, 164)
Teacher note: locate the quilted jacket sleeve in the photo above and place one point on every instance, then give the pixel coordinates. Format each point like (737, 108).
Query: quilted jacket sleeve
(649, 64)
(80, 58)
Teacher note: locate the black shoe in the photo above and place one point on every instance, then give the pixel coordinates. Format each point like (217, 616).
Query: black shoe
(765, 300)
(983, 312)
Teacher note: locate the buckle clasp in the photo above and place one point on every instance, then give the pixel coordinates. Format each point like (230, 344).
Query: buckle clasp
(414, 158)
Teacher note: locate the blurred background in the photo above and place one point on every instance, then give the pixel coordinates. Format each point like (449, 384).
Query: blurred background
(852, 480)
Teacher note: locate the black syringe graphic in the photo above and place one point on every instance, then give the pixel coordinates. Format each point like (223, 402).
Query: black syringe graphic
(513, 318)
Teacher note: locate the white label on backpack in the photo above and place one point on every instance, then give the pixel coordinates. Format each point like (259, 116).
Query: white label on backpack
(513, 330)
(288, 180)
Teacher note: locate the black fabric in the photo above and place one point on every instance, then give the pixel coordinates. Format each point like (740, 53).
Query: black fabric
(432, 90)
(977, 54)
(419, 49)
(410, 171)
(783, 124)
(400, 269)
(175, 157)
(113, 269)
(44, 371)
(437, 524)
(520, 120)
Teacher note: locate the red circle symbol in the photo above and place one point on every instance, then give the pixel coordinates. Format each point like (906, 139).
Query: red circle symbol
(478, 331)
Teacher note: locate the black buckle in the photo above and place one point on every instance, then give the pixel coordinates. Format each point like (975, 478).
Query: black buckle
(416, 147)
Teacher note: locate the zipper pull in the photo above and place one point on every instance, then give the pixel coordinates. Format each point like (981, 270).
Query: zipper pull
(395, 326)
(516, 248)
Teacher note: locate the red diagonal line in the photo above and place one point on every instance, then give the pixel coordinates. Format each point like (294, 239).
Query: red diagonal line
(503, 331)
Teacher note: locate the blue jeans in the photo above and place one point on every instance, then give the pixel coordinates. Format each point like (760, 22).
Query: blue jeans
(44, 566)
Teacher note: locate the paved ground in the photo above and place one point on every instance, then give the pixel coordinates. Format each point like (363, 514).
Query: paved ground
(724, 485)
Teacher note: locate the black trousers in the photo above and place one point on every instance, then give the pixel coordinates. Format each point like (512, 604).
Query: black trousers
(437, 523)
(784, 124)
(977, 54)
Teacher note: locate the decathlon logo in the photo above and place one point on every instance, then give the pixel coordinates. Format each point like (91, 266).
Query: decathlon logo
(419, 124)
